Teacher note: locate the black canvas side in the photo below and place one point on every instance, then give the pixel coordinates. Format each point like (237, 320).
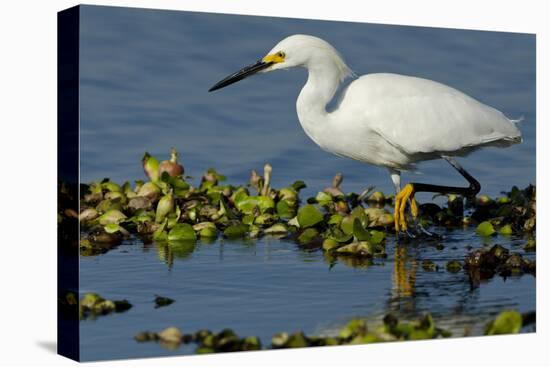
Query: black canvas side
(68, 182)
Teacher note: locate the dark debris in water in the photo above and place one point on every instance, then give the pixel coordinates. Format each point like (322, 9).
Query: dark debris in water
(163, 301)
(93, 305)
(484, 263)
(356, 331)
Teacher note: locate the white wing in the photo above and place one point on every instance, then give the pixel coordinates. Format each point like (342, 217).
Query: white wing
(422, 116)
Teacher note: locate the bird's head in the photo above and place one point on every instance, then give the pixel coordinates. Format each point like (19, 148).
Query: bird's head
(293, 51)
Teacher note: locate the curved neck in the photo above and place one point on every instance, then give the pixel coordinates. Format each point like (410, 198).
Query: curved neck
(322, 82)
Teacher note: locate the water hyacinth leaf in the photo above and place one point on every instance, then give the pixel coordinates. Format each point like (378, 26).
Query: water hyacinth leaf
(353, 328)
(485, 229)
(453, 266)
(531, 245)
(377, 237)
(88, 215)
(239, 195)
(164, 207)
(335, 219)
(298, 185)
(506, 230)
(142, 216)
(150, 190)
(208, 232)
(330, 244)
(182, 231)
(236, 231)
(225, 209)
(284, 210)
(160, 235)
(507, 322)
(173, 218)
(112, 216)
(262, 202)
(248, 219)
(171, 335)
(113, 228)
(264, 219)
(277, 228)
(265, 203)
(309, 216)
(111, 186)
(308, 236)
(360, 233)
(150, 167)
(297, 340)
(346, 224)
(323, 198)
(357, 249)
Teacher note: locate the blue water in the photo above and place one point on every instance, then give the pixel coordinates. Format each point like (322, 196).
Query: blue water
(144, 81)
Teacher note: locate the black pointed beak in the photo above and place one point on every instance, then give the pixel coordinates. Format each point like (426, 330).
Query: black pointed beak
(241, 74)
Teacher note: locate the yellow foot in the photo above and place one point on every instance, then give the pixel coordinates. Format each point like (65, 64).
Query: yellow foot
(400, 203)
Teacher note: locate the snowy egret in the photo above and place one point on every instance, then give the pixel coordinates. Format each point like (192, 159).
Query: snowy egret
(387, 120)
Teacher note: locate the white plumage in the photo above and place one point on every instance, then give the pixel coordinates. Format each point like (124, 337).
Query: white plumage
(384, 119)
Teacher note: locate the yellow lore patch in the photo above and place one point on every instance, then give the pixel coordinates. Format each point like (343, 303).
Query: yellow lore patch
(275, 58)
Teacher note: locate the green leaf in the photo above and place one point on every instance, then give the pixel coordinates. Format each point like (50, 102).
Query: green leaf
(112, 216)
(225, 209)
(112, 228)
(262, 202)
(330, 244)
(507, 322)
(485, 229)
(357, 249)
(298, 185)
(284, 210)
(335, 219)
(360, 233)
(182, 231)
(377, 237)
(453, 266)
(111, 186)
(236, 231)
(160, 235)
(323, 198)
(307, 236)
(277, 228)
(506, 230)
(309, 216)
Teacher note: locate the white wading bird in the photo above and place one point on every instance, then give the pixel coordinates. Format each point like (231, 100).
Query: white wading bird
(387, 120)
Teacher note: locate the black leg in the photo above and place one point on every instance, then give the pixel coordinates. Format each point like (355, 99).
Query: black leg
(408, 192)
(470, 191)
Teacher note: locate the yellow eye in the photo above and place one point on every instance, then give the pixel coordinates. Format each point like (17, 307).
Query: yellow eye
(281, 54)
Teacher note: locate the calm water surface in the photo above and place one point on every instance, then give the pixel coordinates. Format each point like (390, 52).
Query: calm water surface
(144, 81)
